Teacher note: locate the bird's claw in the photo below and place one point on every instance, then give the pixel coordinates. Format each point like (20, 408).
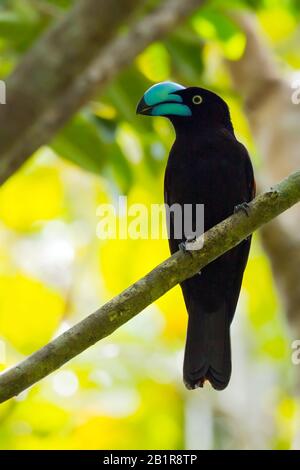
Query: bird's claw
(243, 207)
(182, 247)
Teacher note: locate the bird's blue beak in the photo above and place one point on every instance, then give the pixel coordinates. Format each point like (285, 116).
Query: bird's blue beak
(161, 100)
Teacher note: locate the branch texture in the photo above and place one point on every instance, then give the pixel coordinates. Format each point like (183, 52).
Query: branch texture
(72, 61)
(142, 293)
(52, 65)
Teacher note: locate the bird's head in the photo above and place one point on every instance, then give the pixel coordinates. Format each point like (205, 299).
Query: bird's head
(185, 107)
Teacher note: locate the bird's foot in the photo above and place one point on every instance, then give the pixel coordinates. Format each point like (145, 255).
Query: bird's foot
(183, 245)
(243, 207)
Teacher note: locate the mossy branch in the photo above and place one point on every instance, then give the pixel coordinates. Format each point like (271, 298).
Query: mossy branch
(146, 290)
(72, 61)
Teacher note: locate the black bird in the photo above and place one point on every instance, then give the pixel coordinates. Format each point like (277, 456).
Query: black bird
(207, 165)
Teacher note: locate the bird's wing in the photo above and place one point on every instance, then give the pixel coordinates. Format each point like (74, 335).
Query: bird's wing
(241, 252)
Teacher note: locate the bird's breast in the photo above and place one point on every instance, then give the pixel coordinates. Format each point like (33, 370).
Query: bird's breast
(208, 172)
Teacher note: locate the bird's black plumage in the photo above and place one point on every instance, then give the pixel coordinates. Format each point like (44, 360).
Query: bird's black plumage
(208, 165)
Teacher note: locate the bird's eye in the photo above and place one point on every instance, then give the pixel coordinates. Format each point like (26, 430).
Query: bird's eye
(197, 99)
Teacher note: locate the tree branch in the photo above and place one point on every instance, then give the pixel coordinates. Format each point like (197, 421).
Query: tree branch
(68, 65)
(53, 63)
(142, 293)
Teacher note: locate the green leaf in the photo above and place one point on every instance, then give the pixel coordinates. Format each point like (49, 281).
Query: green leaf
(13, 26)
(80, 142)
(186, 58)
(124, 94)
(221, 25)
(119, 169)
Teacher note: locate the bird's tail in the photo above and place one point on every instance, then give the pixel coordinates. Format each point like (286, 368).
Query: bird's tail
(207, 351)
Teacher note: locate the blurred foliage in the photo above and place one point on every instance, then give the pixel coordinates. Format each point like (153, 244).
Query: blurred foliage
(126, 392)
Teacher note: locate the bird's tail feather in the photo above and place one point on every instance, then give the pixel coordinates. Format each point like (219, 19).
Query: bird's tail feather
(207, 351)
